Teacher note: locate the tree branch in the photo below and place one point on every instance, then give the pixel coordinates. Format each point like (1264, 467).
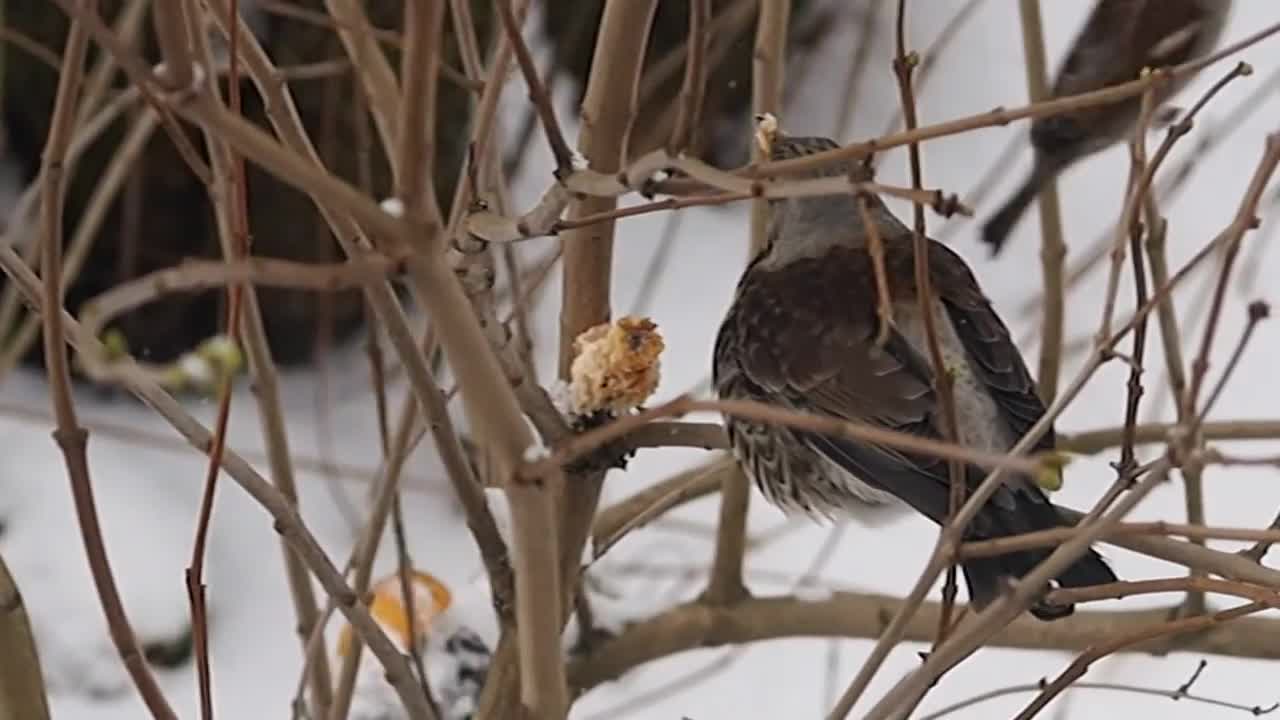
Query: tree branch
(68, 434)
(859, 615)
(22, 690)
(1053, 250)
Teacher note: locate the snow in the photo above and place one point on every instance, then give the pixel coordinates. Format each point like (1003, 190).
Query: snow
(561, 394)
(536, 452)
(148, 490)
(393, 207)
(55, 581)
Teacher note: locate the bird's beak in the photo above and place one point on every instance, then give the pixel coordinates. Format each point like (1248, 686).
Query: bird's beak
(766, 131)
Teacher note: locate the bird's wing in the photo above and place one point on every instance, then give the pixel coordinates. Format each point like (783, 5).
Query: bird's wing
(1097, 55)
(1122, 36)
(992, 353)
(819, 355)
(1179, 31)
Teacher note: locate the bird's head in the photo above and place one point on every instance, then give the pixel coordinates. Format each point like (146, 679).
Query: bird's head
(787, 147)
(805, 226)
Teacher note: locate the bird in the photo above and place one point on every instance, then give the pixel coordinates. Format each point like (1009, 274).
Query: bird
(1119, 39)
(801, 334)
(446, 635)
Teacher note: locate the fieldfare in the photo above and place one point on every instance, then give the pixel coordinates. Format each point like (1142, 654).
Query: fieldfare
(801, 334)
(1119, 40)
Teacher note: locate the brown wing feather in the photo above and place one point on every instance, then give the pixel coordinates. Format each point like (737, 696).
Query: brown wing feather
(1122, 36)
(819, 356)
(992, 354)
(820, 351)
(1119, 39)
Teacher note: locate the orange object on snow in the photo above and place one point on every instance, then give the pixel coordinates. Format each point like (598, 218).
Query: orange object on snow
(386, 604)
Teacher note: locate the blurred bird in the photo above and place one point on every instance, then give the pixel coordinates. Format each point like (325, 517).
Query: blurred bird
(1120, 38)
(801, 334)
(455, 656)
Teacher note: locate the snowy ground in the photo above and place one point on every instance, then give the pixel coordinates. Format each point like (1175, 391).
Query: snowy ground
(148, 493)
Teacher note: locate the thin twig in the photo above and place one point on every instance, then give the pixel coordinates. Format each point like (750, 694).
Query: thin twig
(1259, 549)
(966, 640)
(229, 199)
(983, 625)
(166, 443)
(579, 445)
(1121, 589)
(893, 632)
(373, 71)
(689, 114)
(1080, 666)
(243, 311)
(101, 200)
(875, 248)
(1053, 249)
(1134, 390)
(404, 570)
(285, 120)
(1258, 311)
(287, 521)
(92, 120)
(1001, 116)
(904, 64)
(1200, 366)
(538, 95)
(1053, 536)
(1094, 441)
(930, 57)
(490, 401)
(70, 437)
(711, 187)
(366, 548)
(1254, 710)
(1175, 180)
(1175, 369)
(1138, 190)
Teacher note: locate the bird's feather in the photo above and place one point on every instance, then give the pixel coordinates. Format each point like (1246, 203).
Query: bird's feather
(814, 351)
(1119, 40)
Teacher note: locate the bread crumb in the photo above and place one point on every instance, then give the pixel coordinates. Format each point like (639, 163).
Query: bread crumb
(615, 366)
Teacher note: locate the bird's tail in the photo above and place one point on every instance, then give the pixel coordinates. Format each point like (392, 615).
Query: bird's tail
(996, 230)
(987, 576)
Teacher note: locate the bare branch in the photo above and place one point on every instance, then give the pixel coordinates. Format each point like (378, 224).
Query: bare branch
(70, 437)
(22, 688)
(692, 91)
(697, 625)
(1001, 116)
(1053, 249)
(287, 520)
(538, 94)
(1080, 666)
